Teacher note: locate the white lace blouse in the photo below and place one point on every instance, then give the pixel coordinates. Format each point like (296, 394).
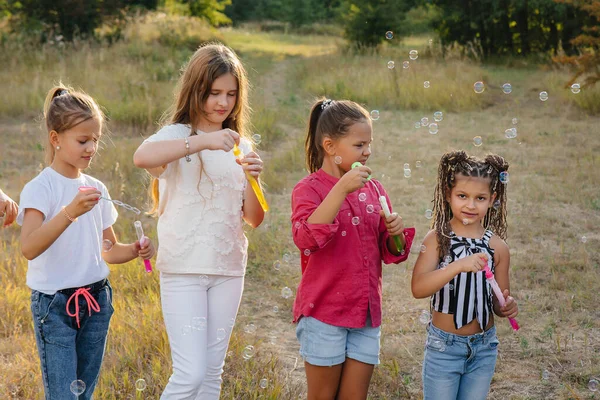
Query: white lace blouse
(200, 226)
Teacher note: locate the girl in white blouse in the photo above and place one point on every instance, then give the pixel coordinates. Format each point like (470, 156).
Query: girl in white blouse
(201, 197)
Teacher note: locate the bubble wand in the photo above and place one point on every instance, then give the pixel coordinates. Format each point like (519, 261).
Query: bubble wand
(489, 276)
(142, 239)
(253, 182)
(384, 207)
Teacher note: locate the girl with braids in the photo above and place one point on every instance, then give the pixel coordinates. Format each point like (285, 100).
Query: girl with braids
(343, 236)
(468, 231)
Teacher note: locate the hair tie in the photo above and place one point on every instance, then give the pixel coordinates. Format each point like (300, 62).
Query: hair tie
(326, 103)
(61, 92)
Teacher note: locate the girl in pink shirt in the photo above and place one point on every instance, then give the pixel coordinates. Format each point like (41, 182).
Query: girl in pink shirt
(343, 235)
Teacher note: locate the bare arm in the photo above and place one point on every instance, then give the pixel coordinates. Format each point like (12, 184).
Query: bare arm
(121, 253)
(37, 237)
(502, 265)
(427, 279)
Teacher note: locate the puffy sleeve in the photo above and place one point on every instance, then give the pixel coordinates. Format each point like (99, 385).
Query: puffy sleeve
(409, 235)
(305, 200)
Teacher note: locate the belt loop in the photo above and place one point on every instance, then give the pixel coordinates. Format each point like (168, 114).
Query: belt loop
(449, 339)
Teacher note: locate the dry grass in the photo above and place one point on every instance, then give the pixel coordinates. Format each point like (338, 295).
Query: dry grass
(553, 202)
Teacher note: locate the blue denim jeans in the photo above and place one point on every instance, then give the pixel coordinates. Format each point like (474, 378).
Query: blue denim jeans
(458, 367)
(67, 352)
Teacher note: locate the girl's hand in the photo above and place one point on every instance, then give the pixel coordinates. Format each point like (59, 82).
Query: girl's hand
(354, 179)
(8, 209)
(393, 223)
(473, 263)
(146, 249)
(510, 309)
(83, 202)
(251, 163)
(221, 140)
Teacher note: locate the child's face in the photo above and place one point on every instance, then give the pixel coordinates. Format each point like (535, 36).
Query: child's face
(221, 100)
(470, 198)
(355, 146)
(78, 145)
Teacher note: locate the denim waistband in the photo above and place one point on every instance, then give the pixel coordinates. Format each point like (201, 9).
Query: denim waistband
(92, 288)
(449, 338)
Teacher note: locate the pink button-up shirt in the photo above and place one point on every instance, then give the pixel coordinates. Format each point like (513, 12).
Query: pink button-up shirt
(341, 261)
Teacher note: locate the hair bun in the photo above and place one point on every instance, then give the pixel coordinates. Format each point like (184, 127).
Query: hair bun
(497, 162)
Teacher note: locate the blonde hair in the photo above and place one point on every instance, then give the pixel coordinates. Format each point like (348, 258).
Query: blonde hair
(65, 108)
(459, 162)
(208, 63)
(329, 118)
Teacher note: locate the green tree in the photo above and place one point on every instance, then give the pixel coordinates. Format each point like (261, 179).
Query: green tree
(211, 10)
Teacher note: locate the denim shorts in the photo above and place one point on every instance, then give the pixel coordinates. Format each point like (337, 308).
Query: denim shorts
(326, 345)
(458, 367)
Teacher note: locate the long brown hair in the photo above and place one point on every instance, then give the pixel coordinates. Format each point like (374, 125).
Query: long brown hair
(65, 108)
(458, 162)
(208, 63)
(329, 118)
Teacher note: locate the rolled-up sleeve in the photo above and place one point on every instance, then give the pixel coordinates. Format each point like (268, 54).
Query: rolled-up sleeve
(305, 200)
(409, 235)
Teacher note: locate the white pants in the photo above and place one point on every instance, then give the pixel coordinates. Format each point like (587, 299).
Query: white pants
(199, 313)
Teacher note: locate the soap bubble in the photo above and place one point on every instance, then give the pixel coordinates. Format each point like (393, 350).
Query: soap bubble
(337, 160)
(433, 128)
(375, 115)
(479, 87)
(248, 352)
(263, 383)
(204, 280)
(593, 385)
(413, 54)
(448, 259)
(256, 138)
(391, 64)
(406, 166)
(424, 121)
(389, 35)
(583, 239)
(140, 385)
(355, 220)
(438, 116)
(543, 96)
(311, 305)
(423, 248)
(417, 125)
(425, 317)
(370, 208)
(477, 141)
(77, 387)
(250, 328)
(507, 88)
(275, 309)
(221, 334)
(107, 245)
(343, 233)
(497, 204)
(199, 323)
(426, 84)
(515, 121)
(277, 265)
(186, 330)
(418, 164)
(306, 252)
(428, 214)
(575, 88)
(286, 292)
(504, 177)
(362, 196)
(545, 375)
(510, 133)
(407, 173)
(405, 64)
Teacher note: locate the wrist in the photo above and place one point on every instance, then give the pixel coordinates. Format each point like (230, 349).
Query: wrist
(197, 143)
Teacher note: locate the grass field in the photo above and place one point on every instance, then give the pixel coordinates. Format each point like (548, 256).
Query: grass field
(554, 202)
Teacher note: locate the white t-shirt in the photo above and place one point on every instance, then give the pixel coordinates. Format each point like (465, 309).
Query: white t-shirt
(75, 258)
(200, 225)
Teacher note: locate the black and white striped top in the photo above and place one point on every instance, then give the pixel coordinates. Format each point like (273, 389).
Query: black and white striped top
(467, 296)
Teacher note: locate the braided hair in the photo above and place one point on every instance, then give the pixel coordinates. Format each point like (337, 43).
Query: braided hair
(459, 162)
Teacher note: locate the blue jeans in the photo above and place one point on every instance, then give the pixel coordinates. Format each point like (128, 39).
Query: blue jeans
(458, 367)
(68, 353)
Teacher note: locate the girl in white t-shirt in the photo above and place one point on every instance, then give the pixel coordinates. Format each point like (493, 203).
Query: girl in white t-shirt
(204, 198)
(63, 229)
